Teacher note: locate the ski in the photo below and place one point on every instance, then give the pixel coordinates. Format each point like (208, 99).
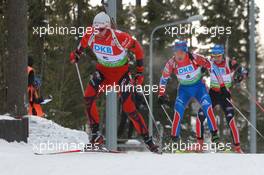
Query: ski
(59, 152)
(103, 150)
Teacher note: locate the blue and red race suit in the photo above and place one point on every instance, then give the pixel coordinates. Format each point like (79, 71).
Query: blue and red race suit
(188, 72)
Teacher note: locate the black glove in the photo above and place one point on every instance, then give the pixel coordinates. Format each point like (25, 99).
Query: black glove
(140, 101)
(240, 74)
(38, 100)
(225, 92)
(162, 100)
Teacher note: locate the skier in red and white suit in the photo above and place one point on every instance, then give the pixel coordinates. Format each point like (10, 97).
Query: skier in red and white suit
(230, 70)
(110, 47)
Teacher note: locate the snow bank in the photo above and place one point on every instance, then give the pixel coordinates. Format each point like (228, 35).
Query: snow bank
(42, 130)
(6, 117)
(46, 135)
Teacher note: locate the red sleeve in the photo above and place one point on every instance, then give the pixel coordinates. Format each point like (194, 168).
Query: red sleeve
(132, 45)
(85, 40)
(166, 73)
(201, 61)
(139, 54)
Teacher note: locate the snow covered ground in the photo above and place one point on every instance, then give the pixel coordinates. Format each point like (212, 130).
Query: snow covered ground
(18, 158)
(43, 132)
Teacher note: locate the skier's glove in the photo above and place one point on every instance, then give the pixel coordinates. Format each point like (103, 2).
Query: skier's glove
(74, 56)
(38, 100)
(225, 92)
(240, 74)
(163, 99)
(139, 78)
(140, 101)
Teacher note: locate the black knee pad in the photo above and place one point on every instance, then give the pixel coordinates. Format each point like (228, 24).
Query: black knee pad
(229, 112)
(133, 115)
(201, 115)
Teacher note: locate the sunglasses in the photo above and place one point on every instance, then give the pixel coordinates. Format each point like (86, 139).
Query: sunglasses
(216, 55)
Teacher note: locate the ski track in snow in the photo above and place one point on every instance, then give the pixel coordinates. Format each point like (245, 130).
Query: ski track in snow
(18, 158)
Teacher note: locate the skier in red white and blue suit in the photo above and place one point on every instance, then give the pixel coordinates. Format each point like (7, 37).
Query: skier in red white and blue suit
(228, 69)
(187, 67)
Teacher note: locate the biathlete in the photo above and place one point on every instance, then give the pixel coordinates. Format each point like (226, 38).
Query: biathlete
(229, 69)
(110, 47)
(187, 67)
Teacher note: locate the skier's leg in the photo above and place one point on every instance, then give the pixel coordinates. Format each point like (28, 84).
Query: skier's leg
(201, 117)
(206, 104)
(179, 107)
(229, 114)
(122, 124)
(91, 92)
(129, 107)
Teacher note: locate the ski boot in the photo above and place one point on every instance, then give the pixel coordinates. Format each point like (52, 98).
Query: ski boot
(96, 143)
(196, 147)
(237, 149)
(151, 145)
(97, 139)
(215, 141)
(215, 137)
(176, 145)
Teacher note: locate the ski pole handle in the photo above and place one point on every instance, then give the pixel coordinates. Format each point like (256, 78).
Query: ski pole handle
(79, 76)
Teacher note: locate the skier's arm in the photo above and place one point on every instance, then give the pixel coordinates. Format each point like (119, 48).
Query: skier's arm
(134, 46)
(139, 54)
(202, 61)
(239, 72)
(166, 73)
(75, 55)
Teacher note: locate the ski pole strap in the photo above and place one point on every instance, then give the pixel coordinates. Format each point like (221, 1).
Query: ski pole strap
(245, 118)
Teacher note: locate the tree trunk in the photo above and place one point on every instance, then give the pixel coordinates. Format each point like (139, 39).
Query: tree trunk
(17, 57)
(138, 3)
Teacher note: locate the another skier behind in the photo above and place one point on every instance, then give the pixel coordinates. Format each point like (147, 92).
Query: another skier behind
(35, 99)
(187, 67)
(110, 47)
(227, 68)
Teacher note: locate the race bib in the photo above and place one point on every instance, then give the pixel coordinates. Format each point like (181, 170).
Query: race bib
(102, 49)
(185, 70)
